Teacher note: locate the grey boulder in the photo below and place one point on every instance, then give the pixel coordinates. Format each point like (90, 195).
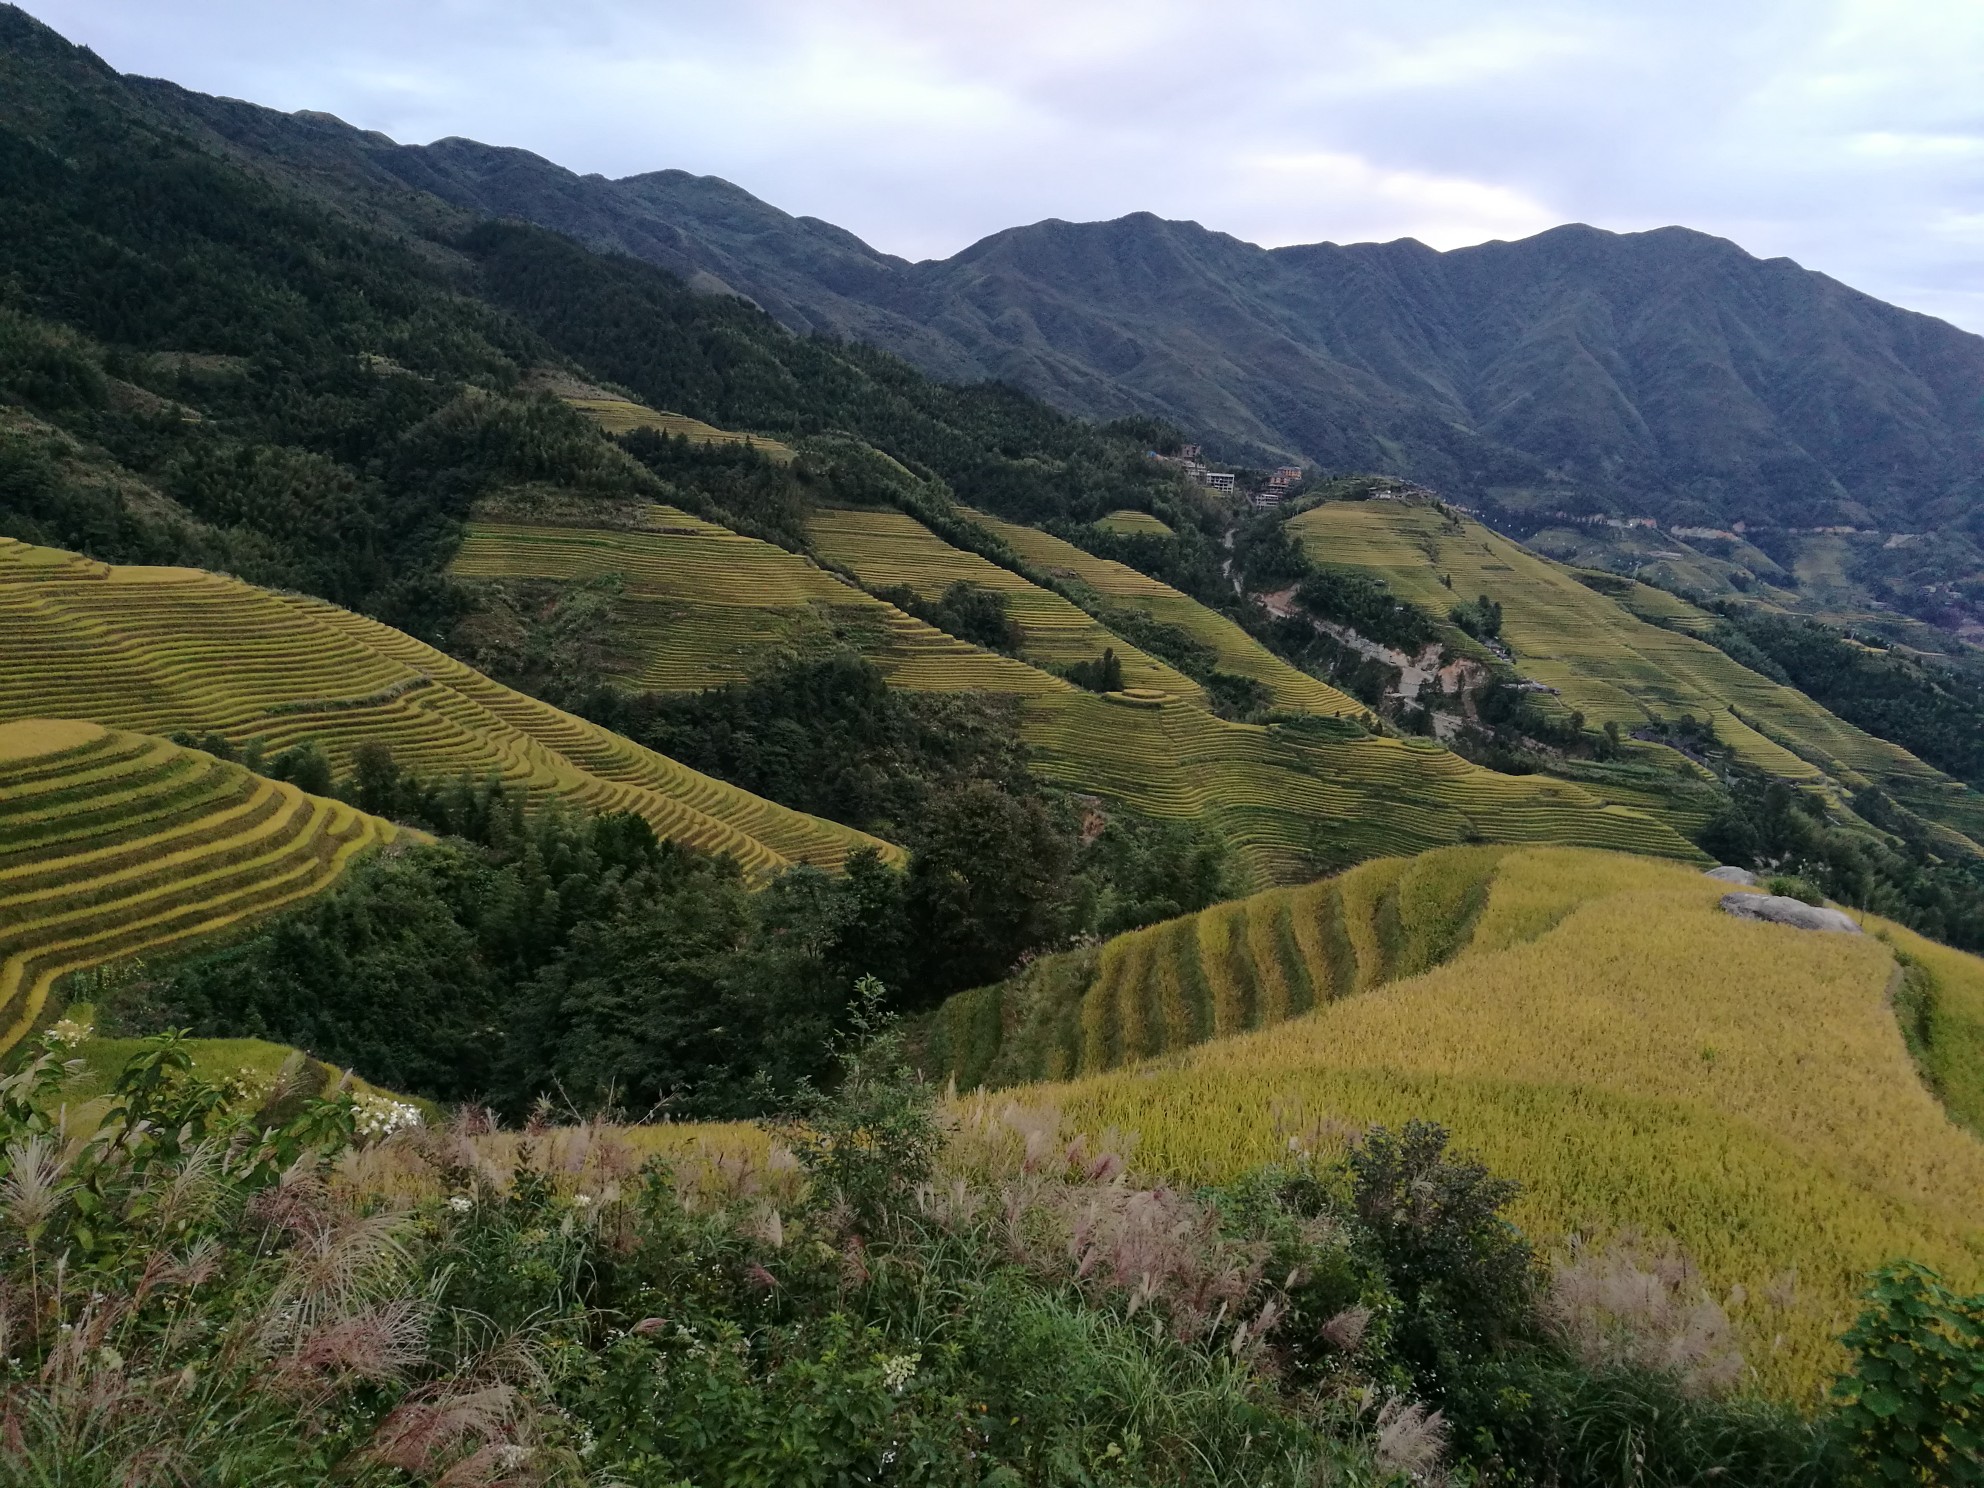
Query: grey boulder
(1726, 874)
(1793, 912)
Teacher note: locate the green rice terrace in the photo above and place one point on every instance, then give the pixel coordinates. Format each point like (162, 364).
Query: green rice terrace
(1134, 524)
(1604, 656)
(119, 844)
(161, 650)
(1117, 584)
(887, 548)
(619, 415)
(1248, 963)
(702, 605)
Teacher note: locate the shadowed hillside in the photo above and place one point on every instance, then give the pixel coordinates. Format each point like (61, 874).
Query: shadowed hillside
(1665, 372)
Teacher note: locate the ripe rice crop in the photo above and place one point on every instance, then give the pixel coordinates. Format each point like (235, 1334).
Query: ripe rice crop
(1115, 583)
(1634, 1057)
(618, 415)
(115, 845)
(701, 605)
(887, 548)
(1607, 662)
(1134, 523)
(1241, 965)
(159, 650)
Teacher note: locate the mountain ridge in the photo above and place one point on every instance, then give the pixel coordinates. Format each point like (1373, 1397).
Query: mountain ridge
(1667, 372)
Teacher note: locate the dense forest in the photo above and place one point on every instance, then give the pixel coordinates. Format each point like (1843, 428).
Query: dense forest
(530, 953)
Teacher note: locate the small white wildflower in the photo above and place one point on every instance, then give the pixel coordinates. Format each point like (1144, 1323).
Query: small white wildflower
(584, 1200)
(378, 1116)
(461, 1203)
(898, 1370)
(68, 1032)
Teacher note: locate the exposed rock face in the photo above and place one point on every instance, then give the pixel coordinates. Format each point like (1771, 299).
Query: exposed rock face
(1782, 911)
(1742, 876)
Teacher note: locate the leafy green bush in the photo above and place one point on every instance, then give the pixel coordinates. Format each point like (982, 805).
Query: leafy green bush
(1366, 606)
(1482, 619)
(1790, 886)
(969, 611)
(1912, 1405)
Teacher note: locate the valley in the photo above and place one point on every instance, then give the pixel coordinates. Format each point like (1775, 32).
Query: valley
(1623, 653)
(640, 844)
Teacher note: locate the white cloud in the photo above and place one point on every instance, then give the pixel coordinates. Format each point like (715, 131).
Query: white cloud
(1441, 211)
(1848, 134)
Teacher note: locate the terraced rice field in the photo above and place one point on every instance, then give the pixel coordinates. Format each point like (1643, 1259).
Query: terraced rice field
(702, 606)
(1597, 1030)
(706, 605)
(159, 650)
(1115, 583)
(1241, 965)
(115, 845)
(1604, 660)
(886, 548)
(1133, 524)
(1289, 798)
(618, 415)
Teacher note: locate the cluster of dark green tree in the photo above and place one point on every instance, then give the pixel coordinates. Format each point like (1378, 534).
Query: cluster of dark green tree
(1480, 618)
(534, 953)
(552, 956)
(969, 611)
(977, 1309)
(1020, 866)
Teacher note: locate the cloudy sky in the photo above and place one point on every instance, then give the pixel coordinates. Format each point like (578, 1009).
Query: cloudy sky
(1847, 134)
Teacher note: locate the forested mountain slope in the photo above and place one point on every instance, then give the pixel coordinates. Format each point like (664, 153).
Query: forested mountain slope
(1666, 373)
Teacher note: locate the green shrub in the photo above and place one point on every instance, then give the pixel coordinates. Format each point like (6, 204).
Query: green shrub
(1912, 1405)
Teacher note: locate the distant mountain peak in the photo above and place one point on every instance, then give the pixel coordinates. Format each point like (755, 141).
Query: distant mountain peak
(1664, 371)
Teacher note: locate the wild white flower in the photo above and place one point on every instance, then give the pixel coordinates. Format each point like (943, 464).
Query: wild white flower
(461, 1203)
(583, 1201)
(380, 1116)
(898, 1370)
(68, 1032)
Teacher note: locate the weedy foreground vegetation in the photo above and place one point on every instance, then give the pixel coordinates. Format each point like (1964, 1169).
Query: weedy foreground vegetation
(224, 1284)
